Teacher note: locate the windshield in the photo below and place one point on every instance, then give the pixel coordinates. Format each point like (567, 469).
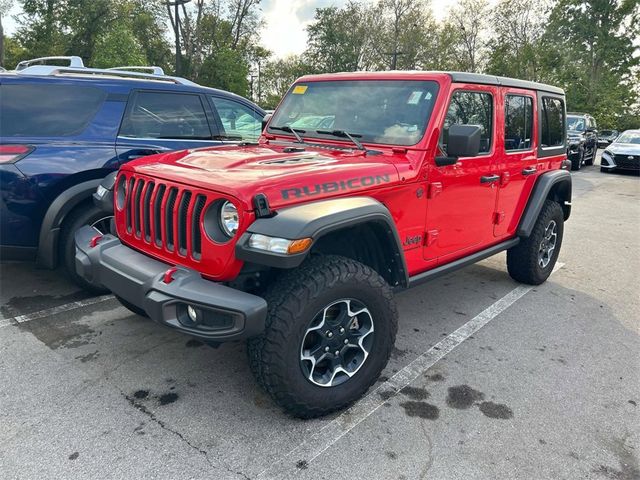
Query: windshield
(606, 133)
(392, 112)
(629, 137)
(575, 123)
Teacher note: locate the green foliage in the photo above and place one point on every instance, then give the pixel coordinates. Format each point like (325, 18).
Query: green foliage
(595, 62)
(278, 75)
(338, 38)
(118, 47)
(585, 46)
(227, 70)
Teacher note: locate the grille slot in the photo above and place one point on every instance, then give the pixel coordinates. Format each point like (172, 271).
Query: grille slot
(183, 208)
(146, 213)
(129, 204)
(157, 214)
(168, 219)
(136, 206)
(196, 234)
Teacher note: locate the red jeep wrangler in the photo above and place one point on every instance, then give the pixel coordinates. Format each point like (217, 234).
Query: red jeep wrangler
(361, 184)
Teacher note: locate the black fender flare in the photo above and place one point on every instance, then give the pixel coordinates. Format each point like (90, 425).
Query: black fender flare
(556, 185)
(316, 219)
(53, 219)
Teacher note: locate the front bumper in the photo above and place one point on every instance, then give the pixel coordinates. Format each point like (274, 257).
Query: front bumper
(224, 313)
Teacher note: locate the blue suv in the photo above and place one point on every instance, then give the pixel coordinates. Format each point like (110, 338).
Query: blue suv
(64, 128)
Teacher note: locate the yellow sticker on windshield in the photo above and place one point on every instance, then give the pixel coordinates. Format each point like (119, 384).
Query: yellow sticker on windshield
(299, 89)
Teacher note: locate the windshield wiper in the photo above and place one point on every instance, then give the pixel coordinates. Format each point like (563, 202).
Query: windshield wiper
(296, 132)
(344, 134)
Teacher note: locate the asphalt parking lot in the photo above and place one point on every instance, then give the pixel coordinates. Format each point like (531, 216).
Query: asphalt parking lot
(489, 380)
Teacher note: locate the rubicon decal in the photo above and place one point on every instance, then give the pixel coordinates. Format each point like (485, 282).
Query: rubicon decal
(329, 187)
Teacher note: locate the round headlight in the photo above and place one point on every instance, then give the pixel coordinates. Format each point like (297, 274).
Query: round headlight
(229, 218)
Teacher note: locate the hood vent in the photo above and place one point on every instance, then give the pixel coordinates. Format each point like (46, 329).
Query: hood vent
(305, 159)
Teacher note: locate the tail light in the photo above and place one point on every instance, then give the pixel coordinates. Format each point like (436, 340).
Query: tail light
(13, 153)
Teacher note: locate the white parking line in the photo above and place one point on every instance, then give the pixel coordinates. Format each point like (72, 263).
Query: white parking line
(328, 435)
(52, 311)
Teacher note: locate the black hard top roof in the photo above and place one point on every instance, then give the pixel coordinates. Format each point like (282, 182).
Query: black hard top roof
(464, 77)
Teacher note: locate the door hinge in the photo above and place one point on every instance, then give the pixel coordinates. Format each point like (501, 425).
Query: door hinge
(498, 217)
(431, 237)
(504, 178)
(435, 188)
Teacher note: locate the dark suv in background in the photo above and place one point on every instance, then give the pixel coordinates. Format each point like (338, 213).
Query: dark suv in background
(607, 137)
(64, 128)
(582, 139)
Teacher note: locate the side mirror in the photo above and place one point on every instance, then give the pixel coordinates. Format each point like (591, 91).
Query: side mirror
(265, 120)
(464, 141)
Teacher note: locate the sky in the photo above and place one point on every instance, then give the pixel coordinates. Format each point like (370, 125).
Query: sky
(285, 21)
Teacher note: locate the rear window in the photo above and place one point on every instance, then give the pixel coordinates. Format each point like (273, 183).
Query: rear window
(47, 110)
(552, 122)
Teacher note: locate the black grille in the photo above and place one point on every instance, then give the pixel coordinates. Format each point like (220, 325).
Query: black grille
(166, 216)
(627, 161)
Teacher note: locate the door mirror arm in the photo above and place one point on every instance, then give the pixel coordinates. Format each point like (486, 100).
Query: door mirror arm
(265, 120)
(443, 161)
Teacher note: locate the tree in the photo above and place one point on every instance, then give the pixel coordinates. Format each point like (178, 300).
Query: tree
(118, 47)
(227, 70)
(516, 49)
(339, 38)
(594, 57)
(405, 34)
(207, 28)
(5, 6)
(469, 19)
(278, 75)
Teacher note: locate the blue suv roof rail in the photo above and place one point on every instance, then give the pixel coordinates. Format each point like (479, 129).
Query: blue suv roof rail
(74, 61)
(154, 70)
(53, 70)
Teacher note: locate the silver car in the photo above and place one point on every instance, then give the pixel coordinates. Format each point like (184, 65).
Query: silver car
(623, 153)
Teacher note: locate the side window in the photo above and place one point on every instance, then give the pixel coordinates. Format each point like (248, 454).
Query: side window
(518, 122)
(552, 122)
(65, 110)
(238, 121)
(470, 108)
(165, 115)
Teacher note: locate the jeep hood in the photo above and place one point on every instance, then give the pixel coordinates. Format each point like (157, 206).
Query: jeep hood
(283, 175)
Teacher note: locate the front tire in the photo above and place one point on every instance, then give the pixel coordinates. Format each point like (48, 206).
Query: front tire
(592, 156)
(533, 259)
(576, 163)
(330, 330)
(86, 214)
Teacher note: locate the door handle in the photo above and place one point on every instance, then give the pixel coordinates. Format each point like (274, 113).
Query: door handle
(529, 171)
(489, 178)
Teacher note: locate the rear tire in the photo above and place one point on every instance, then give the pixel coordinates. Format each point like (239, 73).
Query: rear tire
(86, 214)
(532, 260)
(326, 294)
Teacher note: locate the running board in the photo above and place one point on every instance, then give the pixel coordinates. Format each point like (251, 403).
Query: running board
(460, 263)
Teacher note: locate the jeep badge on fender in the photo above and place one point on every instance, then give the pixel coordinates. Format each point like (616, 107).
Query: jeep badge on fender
(297, 243)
